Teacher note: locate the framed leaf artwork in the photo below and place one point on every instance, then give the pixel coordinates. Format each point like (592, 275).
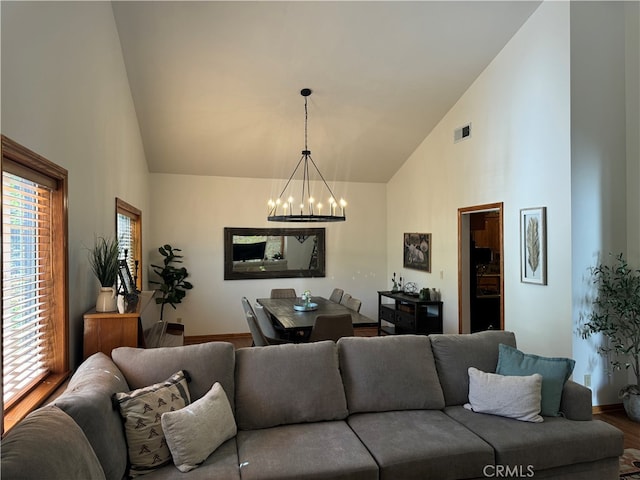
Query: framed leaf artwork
(533, 245)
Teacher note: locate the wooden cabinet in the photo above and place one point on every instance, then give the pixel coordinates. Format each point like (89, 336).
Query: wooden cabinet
(408, 314)
(105, 331)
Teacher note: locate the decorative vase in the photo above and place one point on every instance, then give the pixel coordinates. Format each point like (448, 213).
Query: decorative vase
(631, 403)
(106, 300)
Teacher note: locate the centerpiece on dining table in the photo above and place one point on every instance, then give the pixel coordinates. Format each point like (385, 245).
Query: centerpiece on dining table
(306, 305)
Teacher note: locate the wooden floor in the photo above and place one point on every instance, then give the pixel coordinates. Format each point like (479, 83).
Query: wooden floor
(618, 418)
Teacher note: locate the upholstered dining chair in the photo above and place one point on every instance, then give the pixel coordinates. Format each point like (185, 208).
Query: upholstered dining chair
(283, 293)
(336, 295)
(353, 304)
(331, 327)
(266, 326)
(259, 338)
(345, 298)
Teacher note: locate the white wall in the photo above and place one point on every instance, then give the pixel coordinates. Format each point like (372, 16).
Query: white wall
(65, 95)
(190, 212)
(605, 161)
(519, 154)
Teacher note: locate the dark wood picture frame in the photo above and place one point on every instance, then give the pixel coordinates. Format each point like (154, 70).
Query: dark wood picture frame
(416, 251)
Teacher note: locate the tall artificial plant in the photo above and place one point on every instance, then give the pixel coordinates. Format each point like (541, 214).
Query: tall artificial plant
(173, 286)
(616, 315)
(103, 258)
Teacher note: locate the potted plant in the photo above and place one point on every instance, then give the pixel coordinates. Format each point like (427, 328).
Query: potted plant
(103, 258)
(173, 286)
(616, 315)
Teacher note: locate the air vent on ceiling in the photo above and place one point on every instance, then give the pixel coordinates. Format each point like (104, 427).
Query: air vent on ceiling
(462, 133)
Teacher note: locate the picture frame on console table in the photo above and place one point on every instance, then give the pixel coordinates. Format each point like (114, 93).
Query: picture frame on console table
(533, 245)
(417, 251)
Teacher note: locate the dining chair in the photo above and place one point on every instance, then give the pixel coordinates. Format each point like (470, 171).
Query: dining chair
(345, 298)
(283, 293)
(331, 327)
(353, 304)
(336, 295)
(266, 326)
(259, 338)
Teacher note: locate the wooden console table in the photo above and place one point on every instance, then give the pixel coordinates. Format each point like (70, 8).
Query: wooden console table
(408, 314)
(104, 331)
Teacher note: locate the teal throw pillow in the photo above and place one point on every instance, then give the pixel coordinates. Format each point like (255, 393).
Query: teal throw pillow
(555, 372)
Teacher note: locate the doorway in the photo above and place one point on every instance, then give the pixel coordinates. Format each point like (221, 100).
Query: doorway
(480, 268)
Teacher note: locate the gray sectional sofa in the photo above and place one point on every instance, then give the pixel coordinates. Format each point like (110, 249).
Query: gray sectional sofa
(364, 408)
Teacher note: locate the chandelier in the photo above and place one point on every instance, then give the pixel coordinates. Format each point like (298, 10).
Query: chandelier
(306, 208)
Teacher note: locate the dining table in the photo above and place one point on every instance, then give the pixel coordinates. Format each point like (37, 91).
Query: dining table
(286, 317)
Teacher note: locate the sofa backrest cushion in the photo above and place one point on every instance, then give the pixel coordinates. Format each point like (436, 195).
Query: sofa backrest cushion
(87, 400)
(389, 373)
(205, 363)
(48, 444)
(455, 353)
(291, 383)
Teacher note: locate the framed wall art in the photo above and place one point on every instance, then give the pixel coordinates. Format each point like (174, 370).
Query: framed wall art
(533, 245)
(417, 251)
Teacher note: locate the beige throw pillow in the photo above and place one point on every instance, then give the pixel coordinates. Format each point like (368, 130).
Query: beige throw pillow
(506, 396)
(142, 411)
(196, 431)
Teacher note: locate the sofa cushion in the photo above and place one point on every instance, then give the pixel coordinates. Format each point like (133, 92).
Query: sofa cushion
(421, 444)
(371, 385)
(553, 443)
(196, 431)
(48, 444)
(206, 363)
(455, 353)
(555, 372)
(87, 400)
(290, 383)
(514, 397)
(142, 411)
(321, 450)
(221, 464)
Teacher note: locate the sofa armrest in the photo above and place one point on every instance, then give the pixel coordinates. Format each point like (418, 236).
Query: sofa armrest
(576, 401)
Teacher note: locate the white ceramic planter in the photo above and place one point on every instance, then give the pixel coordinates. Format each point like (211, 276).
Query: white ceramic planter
(106, 301)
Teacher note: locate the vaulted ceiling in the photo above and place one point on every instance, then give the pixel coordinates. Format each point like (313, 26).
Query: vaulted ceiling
(216, 85)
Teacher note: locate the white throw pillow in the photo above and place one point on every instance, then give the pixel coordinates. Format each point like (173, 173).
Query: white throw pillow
(196, 431)
(506, 396)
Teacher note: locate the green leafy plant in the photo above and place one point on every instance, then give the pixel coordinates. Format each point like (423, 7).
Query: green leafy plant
(103, 258)
(173, 286)
(616, 315)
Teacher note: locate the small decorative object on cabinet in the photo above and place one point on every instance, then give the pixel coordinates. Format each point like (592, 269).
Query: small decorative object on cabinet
(408, 314)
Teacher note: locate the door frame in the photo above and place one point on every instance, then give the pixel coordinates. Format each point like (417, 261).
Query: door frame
(464, 233)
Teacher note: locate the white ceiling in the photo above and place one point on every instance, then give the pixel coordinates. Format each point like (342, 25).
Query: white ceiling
(216, 85)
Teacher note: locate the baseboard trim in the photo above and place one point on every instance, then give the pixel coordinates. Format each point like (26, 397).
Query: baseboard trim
(614, 407)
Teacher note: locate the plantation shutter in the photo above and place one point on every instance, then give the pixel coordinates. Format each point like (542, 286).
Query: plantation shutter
(27, 286)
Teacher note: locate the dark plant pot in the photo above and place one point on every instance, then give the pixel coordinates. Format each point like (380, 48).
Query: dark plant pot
(631, 403)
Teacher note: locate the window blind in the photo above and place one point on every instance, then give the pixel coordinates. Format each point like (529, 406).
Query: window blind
(127, 241)
(27, 286)
(129, 232)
